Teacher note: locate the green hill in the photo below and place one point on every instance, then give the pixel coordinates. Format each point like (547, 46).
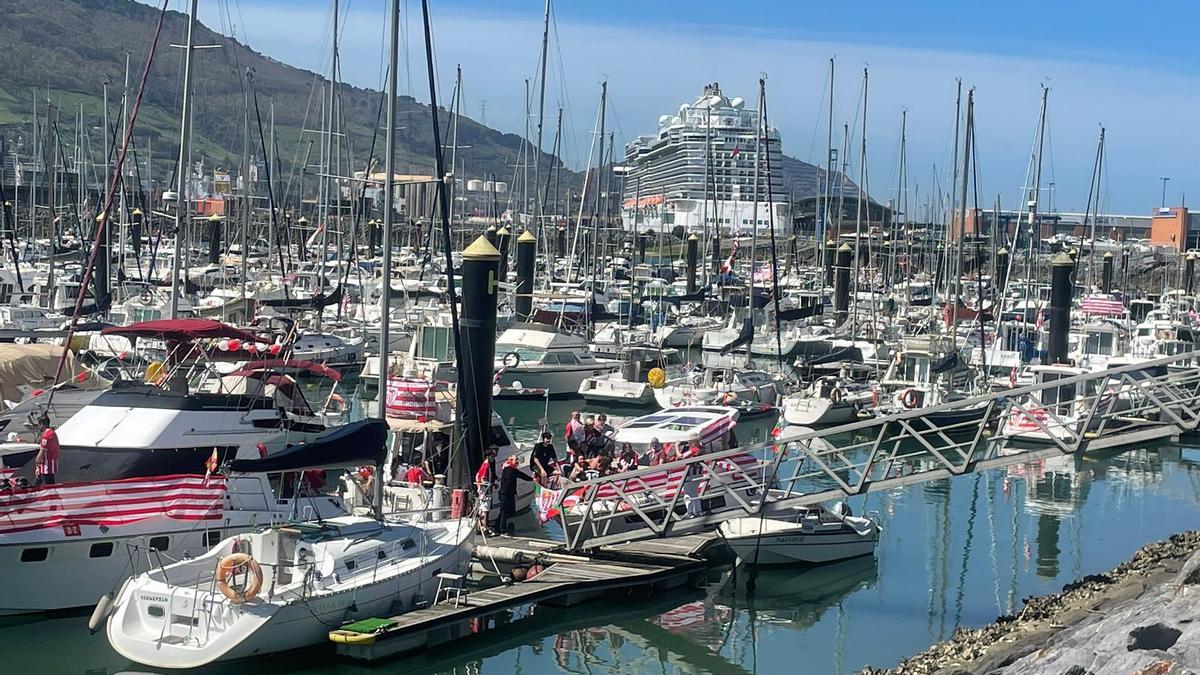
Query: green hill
(65, 50)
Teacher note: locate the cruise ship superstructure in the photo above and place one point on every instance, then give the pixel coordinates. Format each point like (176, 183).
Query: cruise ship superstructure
(665, 171)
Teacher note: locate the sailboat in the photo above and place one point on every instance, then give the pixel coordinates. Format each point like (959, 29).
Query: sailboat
(282, 588)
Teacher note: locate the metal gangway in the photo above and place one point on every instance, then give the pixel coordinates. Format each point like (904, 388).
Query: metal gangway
(1135, 404)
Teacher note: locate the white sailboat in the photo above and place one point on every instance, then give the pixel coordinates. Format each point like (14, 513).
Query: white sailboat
(296, 582)
(284, 587)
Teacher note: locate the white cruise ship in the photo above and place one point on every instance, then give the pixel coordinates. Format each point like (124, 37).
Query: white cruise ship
(665, 171)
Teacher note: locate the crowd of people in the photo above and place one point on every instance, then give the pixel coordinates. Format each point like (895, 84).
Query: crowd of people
(591, 452)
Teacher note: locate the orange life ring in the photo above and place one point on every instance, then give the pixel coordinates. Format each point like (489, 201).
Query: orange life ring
(226, 568)
(909, 398)
(338, 399)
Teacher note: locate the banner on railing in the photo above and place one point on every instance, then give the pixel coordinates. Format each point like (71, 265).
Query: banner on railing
(110, 503)
(734, 470)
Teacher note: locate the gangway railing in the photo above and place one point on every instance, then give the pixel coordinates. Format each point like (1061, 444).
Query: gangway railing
(1128, 405)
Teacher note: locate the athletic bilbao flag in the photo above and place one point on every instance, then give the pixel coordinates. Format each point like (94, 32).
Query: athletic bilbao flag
(544, 500)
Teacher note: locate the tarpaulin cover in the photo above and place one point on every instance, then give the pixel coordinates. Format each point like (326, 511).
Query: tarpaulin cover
(35, 365)
(181, 329)
(289, 366)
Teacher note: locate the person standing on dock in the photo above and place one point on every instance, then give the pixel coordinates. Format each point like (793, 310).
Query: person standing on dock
(509, 476)
(46, 464)
(485, 480)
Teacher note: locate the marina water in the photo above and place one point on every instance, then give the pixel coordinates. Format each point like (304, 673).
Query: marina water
(954, 552)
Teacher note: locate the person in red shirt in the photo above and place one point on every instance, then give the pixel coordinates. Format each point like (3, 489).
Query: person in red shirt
(485, 482)
(46, 463)
(416, 473)
(366, 479)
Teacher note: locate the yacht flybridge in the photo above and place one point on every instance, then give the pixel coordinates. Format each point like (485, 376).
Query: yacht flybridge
(169, 425)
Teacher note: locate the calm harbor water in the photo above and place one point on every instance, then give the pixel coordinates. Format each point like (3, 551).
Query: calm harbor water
(954, 552)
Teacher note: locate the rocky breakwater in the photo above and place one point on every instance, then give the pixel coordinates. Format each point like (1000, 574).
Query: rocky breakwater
(1139, 618)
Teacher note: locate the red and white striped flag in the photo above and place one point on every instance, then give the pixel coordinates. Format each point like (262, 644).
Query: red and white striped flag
(411, 398)
(1106, 305)
(111, 503)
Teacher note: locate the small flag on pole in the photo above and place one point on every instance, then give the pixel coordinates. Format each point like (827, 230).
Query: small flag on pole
(210, 465)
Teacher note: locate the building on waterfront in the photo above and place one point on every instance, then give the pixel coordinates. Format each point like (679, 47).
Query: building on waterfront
(714, 136)
(1170, 227)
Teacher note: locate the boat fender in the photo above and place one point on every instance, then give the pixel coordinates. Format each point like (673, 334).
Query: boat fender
(228, 566)
(511, 360)
(340, 404)
(103, 609)
(909, 398)
(835, 396)
(728, 398)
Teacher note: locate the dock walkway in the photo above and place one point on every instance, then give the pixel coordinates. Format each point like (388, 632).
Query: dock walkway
(651, 565)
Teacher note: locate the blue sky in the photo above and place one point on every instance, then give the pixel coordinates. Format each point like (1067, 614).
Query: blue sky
(1129, 66)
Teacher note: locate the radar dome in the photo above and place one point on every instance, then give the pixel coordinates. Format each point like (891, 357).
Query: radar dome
(663, 119)
(738, 103)
(714, 101)
(683, 109)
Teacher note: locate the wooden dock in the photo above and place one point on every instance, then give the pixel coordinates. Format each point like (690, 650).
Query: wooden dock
(651, 565)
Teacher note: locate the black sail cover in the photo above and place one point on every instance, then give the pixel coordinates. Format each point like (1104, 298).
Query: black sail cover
(354, 444)
(851, 354)
(743, 338)
(699, 296)
(801, 312)
(316, 302)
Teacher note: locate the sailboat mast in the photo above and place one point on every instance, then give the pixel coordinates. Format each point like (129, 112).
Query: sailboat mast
(246, 191)
(389, 189)
(537, 151)
(827, 184)
(956, 285)
(595, 265)
(451, 291)
(181, 172)
(1093, 191)
(707, 178)
(764, 134)
(862, 186)
(124, 209)
(331, 184)
(950, 272)
(901, 207)
(754, 213)
(1035, 234)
